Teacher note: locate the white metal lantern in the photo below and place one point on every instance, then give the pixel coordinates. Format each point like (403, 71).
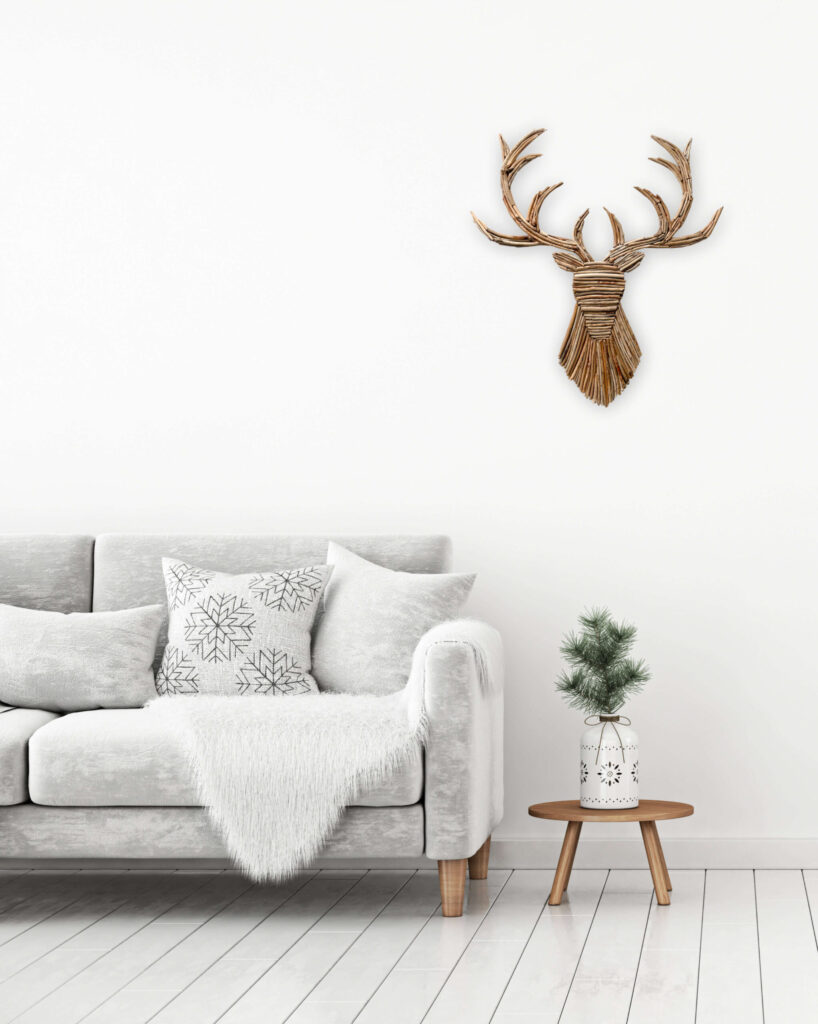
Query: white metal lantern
(609, 763)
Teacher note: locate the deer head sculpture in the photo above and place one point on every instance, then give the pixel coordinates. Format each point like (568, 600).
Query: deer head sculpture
(599, 353)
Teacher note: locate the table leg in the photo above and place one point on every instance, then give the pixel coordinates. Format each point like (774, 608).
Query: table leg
(571, 861)
(656, 859)
(662, 861)
(566, 862)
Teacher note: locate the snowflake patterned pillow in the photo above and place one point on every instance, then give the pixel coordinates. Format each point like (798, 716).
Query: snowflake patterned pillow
(236, 635)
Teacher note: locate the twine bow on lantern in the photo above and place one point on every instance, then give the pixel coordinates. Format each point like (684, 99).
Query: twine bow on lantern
(606, 720)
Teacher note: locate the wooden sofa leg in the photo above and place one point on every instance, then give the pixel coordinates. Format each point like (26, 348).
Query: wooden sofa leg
(452, 875)
(479, 862)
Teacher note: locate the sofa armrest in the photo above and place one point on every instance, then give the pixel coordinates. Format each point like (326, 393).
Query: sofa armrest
(462, 682)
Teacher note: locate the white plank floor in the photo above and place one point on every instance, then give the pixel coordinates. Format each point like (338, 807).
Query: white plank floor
(333, 947)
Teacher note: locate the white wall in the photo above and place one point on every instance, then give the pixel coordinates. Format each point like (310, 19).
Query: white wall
(240, 290)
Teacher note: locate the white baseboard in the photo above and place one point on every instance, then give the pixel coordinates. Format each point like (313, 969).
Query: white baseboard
(595, 852)
(524, 852)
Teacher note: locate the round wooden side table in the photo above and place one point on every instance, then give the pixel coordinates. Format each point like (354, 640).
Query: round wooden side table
(647, 814)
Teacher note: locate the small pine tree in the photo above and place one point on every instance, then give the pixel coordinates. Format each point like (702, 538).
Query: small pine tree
(602, 675)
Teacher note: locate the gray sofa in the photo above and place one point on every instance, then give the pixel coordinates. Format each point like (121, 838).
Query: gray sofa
(112, 784)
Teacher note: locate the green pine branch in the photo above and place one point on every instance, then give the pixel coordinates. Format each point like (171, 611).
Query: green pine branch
(602, 676)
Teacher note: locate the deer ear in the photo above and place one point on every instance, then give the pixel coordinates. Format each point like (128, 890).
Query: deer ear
(628, 261)
(571, 263)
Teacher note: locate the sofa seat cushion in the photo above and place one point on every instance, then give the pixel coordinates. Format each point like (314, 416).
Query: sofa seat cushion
(17, 726)
(131, 758)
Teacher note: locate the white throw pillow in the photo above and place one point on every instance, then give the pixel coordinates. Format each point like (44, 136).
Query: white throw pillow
(81, 661)
(373, 619)
(236, 635)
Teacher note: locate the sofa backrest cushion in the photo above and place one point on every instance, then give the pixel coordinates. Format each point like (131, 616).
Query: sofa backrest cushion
(79, 661)
(374, 619)
(128, 567)
(47, 572)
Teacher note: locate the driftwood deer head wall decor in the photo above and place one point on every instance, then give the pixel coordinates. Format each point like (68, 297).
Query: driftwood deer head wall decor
(599, 353)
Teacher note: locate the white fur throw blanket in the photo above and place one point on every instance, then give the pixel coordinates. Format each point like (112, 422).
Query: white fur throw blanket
(276, 773)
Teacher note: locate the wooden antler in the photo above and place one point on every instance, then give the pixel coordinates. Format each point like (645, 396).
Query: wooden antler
(623, 252)
(600, 352)
(513, 162)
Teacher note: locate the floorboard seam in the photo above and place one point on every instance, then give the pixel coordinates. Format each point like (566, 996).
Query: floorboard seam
(349, 947)
(42, 920)
(395, 967)
(166, 952)
(59, 910)
(287, 950)
(4, 881)
(758, 943)
(519, 958)
(699, 964)
(468, 944)
(105, 952)
(584, 943)
(73, 979)
(176, 995)
(23, 899)
(651, 905)
(62, 943)
(809, 907)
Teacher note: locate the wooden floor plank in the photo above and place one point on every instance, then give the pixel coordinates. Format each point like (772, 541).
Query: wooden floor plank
(477, 983)
(543, 976)
(215, 991)
(729, 974)
(629, 880)
(284, 987)
(405, 996)
(212, 994)
(151, 893)
(29, 885)
(603, 983)
(95, 894)
(274, 936)
(412, 986)
(128, 947)
(33, 898)
(325, 1013)
(342, 993)
(8, 875)
(515, 911)
(667, 979)
(789, 957)
(163, 980)
(439, 946)
(474, 988)
(166, 921)
(43, 977)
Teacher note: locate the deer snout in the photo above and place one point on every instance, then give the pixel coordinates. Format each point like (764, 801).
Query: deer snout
(598, 289)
